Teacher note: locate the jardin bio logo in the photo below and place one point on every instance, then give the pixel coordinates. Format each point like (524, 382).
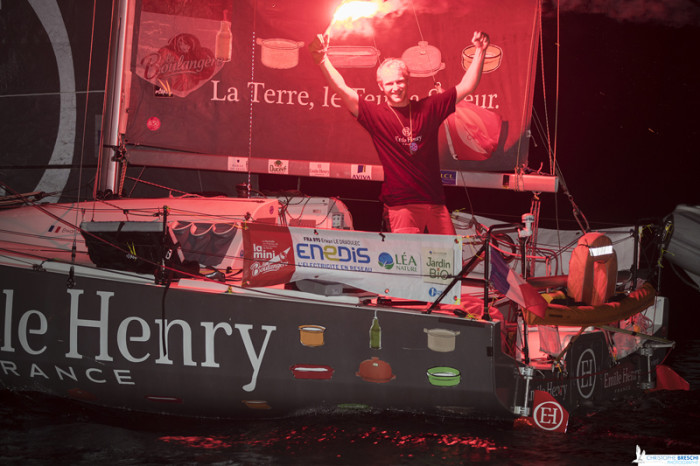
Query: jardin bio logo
(437, 265)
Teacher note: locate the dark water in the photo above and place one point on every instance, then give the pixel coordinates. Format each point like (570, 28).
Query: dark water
(41, 431)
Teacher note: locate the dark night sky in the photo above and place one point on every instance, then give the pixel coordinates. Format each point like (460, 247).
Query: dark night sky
(628, 124)
(628, 97)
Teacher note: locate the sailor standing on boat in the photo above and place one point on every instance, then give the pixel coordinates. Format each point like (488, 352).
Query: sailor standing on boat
(405, 135)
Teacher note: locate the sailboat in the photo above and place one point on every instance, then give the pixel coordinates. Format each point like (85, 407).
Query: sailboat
(257, 306)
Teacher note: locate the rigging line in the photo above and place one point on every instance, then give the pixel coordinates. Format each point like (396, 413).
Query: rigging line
(466, 192)
(199, 180)
(87, 98)
(49, 166)
(523, 117)
(545, 130)
(13, 258)
(11, 255)
(415, 15)
(374, 41)
(541, 134)
(420, 33)
(51, 94)
(155, 185)
(24, 235)
(175, 210)
(105, 99)
(351, 199)
(330, 207)
(252, 79)
(136, 181)
(556, 93)
(578, 215)
(303, 207)
(85, 113)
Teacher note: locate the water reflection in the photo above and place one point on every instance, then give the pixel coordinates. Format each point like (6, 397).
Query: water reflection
(41, 431)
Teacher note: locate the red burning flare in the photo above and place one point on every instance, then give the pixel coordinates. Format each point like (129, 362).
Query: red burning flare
(352, 10)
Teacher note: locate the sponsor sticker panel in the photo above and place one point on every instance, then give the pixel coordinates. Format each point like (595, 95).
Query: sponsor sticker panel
(398, 265)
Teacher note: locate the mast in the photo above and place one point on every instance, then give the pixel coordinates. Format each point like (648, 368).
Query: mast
(109, 169)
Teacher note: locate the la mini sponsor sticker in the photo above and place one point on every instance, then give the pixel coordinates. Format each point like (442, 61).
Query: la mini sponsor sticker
(268, 255)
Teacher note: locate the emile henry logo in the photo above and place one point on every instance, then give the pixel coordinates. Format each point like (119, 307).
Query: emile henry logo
(121, 343)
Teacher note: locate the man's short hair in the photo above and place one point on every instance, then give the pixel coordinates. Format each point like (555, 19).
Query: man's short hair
(392, 63)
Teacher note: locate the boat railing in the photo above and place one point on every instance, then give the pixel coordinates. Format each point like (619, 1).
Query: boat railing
(484, 251)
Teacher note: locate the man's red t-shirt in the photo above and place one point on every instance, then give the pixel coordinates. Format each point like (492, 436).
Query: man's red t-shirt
(410, 177)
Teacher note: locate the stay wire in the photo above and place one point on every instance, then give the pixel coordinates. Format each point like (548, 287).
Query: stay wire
(527, 102)
(422, 38)
(544, 129)
(87, 99)
(250, 114)
(556, 94)
(71, 280)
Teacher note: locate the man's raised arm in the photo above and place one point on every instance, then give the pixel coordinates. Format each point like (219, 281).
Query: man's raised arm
(319, 52)
(472, 76)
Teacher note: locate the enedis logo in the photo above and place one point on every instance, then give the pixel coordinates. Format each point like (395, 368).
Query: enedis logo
(332, 253)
